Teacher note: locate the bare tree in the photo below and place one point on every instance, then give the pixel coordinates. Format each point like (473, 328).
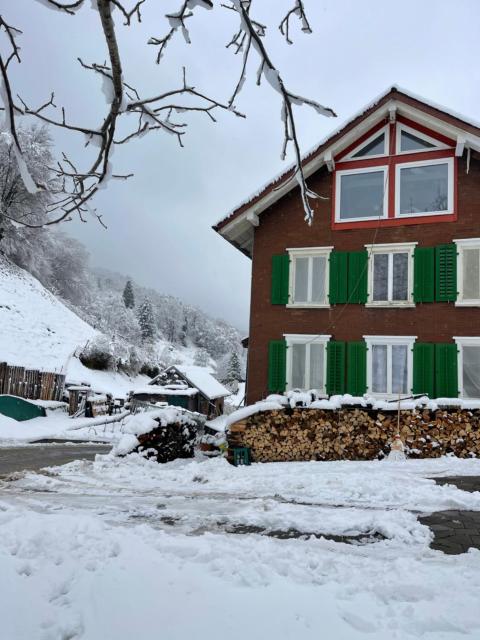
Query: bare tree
(157, 112)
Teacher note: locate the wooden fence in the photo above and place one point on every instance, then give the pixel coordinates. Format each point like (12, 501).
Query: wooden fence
(30, 383)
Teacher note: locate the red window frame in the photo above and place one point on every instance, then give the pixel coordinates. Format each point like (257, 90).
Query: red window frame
(390, 161)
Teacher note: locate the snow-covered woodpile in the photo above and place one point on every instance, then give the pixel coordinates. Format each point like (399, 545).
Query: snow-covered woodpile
(355, 433)
(162, 435)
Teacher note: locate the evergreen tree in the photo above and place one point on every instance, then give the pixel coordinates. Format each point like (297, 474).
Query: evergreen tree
(128, 297)
(234, 370)
(146, 320)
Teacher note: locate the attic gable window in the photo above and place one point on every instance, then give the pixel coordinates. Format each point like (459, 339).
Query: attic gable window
(399, 173)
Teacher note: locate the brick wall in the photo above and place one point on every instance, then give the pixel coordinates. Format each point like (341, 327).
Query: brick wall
(282, 227)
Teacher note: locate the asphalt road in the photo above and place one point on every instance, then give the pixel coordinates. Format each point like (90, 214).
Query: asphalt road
(37, 456)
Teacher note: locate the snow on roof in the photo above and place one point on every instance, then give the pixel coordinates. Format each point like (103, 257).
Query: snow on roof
(157, 390)
(200, 378)
(314, 150)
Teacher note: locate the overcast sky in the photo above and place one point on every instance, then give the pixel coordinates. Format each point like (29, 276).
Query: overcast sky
(159, 222)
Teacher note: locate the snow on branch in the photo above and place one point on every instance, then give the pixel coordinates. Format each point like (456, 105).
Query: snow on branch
(250, 36)
(162, 112)
(299, 11)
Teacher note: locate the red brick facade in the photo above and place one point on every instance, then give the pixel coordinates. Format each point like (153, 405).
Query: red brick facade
(282, 226)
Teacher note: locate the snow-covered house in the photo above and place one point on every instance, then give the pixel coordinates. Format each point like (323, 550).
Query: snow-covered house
(187, 386)
(381, 294)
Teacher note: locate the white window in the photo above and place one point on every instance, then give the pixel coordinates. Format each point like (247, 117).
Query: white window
(469, 366)
(389, 365)
(412, 141)
(306, 362)
(424, 188)
(309, 271)
(361, 194)
(468, 272)
(374, 146)
(390, 274)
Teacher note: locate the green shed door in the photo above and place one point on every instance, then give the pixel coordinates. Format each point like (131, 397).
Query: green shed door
(178, 401)
(20, 409)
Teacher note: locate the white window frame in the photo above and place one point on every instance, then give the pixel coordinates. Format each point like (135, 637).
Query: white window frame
(418, 134)
(338, 193)
(303, 338)
(308, 252)
(464, 341)
(386, 132)
(391, 248)
(465, 243)
(422, 163)
(409, 341)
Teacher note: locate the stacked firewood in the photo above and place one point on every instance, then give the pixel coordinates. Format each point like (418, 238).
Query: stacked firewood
(167, 443)
(355, 434)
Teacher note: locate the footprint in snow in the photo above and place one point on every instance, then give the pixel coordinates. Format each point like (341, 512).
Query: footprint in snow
(357, 622)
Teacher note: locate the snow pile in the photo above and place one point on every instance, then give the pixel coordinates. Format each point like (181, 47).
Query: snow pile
(37, 330)
(144, 422)
(251, 409)
(168, 390)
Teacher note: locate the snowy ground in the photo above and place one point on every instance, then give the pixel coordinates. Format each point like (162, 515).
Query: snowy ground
(101, 429)
(126, 548)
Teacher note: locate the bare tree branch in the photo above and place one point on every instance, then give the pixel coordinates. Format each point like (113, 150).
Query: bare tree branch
(299, 11)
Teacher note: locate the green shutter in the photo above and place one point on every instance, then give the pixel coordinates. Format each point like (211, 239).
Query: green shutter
(277, 366)
(424, 274)
(446, 376)
(280, 269)
(335, 368)
(446, 273)
(356, 368)
(357, 276)
(338, 277)
(423, 369)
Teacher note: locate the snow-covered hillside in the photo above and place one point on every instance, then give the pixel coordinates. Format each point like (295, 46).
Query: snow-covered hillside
(37, 331)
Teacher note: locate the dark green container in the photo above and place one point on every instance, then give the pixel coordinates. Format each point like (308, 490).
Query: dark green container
(20, 409)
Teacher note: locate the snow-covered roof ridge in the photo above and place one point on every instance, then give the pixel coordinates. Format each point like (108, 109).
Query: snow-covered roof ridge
(284, 174)
(200, 378)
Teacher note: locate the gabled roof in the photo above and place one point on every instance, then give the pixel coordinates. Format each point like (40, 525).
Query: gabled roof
(199, 378)
(237, 226)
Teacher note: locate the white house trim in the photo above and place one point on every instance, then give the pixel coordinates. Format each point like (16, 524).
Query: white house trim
(423, 163)
(389, 341)
(307, 339)
(344, 172)
(464, 341)
(418, 134)
(465, 243)
(385, 131)
(390, 249)
(308, 252)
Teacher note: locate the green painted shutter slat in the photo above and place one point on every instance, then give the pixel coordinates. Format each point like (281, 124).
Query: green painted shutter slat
(277, 366)
(423, 369)
(335, 368)
(280, 279)
(356, 368)
(446, 273)
(424, 274)
(446, 370)
(357, 276)
(338, 287)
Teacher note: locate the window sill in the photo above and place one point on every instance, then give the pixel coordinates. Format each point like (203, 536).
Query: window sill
(467, 303)
(390, 305)
(306, 305)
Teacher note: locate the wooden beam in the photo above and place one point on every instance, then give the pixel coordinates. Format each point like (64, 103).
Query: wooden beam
(253, 219)
(329, 161)
(460, 146)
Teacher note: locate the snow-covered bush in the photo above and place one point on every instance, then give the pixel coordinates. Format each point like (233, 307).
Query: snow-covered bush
(98, 354)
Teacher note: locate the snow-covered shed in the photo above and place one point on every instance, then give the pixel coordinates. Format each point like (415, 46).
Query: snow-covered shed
(188, 386)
